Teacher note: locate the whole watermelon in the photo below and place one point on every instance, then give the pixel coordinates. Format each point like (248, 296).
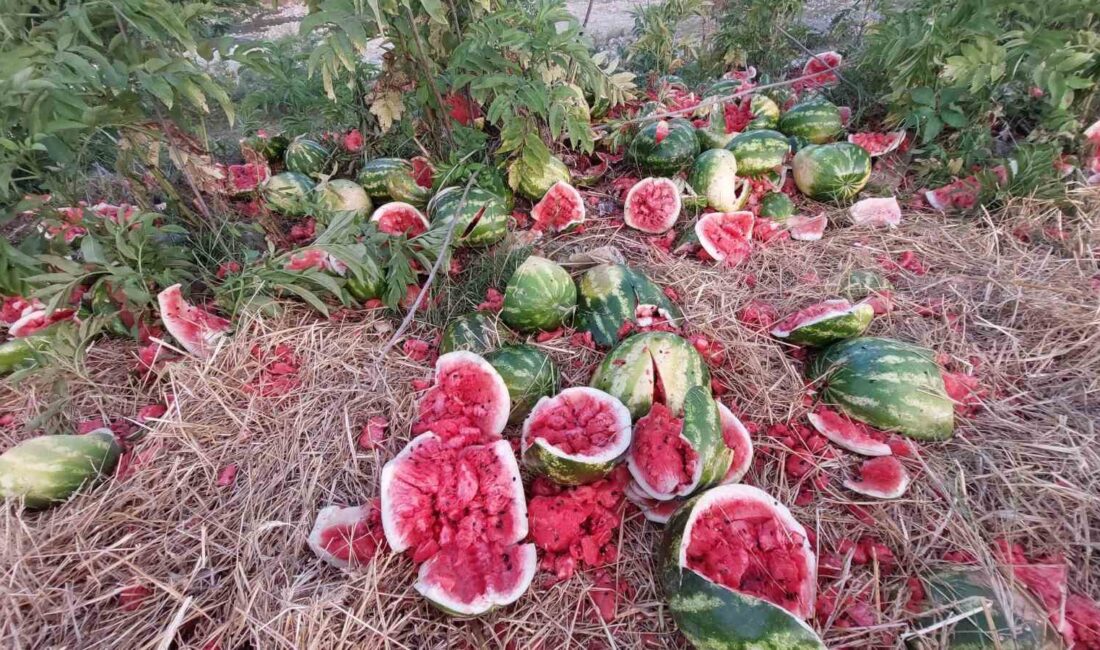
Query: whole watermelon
(306, 156)
(287, 193)
(664, 147)
(831, 172)
(540, 296)
(529, 374)
(534, 183)
(373, 177)
(816, 120)
(759, 152)
(474, 332)
(49, 469)
(339, 195)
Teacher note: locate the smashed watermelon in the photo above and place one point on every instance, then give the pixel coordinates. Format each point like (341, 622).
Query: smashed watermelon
(468, 401)
(560, 209)
(652, 205)
(577, 436)
(196, 329)
(878, 144)
(247, 178)
(876, 212)
(823, 68)
(398, 218)
(848, 433)
(883, 477)
(725, 236)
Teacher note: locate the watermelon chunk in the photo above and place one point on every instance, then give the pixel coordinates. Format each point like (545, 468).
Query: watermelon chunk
(196, 329)
(883, 477)
(849, 434)
(876, 212)
(725, 236)
(878, 144)
(805, 228)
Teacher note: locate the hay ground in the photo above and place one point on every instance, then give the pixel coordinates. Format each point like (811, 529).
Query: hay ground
(231, 564)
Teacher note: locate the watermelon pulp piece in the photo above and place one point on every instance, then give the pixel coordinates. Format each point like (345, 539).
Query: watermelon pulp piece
(397, 218)
(847, 433)
(652, 205)
(725, 235)
(469, 400)
(883, 477)
(560, 208)
(580, 421)
(661, 459)
(196, 329)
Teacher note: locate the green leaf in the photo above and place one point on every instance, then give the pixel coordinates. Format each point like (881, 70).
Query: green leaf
(954, 119)
(435, 10)
(924, 96)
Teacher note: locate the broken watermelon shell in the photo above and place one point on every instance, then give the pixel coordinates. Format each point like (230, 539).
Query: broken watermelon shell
(609, 295)
(577, 436)
(196, 329)
(659, 512)
(876, 212)
(648, 367)
(878, 144)
(860, 283)
(468, 397)
(652, 205)
(725, 236)
(399, 218)
(343, 537)
(883, 477)
(737, 438)
(824, 323)
(803, 228)
(848, 433)
(674, 457)
(473, 332)
(560, 209)
(714, 175)
(708, 544)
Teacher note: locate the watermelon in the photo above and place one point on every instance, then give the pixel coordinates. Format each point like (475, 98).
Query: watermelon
(664, 148)
(474, 332)
(844, 432)
(966, 607)
(45, 470)
(561, 208)
(482, 221)
(21, 353)
(534, 184)
(651, 367)
(824, 322)
(725, 236)
(372, 284)
(822, 67)
(860, 283)
(652, 205)
(306, 156)
(759, 152)
(345, 537)
(375, 172)
(577, 436)
(763, 111)
(609, 295)
(816, 120)
(714, 175)
(196, 329)
(888, 384)
(341, 195)
(468, 399)
(259, 147)
(803, 228)
(528, 372)
(831, 172)
(400, 218)
(961, 194)
(739, 572)
(404, 187)
(883, 477)
(738, 440)
(876, 212)
(460, 511)
(287, 193)
(540, 295)
(776, 206)
(247, 178)
(714, 134)
(878, 144)
(675, 456)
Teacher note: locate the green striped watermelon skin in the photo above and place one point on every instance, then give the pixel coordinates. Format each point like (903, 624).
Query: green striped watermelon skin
(860, 283)
(474, 332)
(777, 206)
(713, 135)
(540, 296)
(373, 177)
(831, 172)
(843, 326)
(714, 175)
(529, 373)
(565, 471)
(535, 186)
(703, 429)
(49, 469)
(890, 385)
(759, 152)
(673, 154)
(271, 149)
(816, 120)
(627, 371)
(306, 156)
(487, 208)
(287, 193)
(765, 113)
(609, 294)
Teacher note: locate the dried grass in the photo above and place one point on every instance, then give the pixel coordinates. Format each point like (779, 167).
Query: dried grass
(232, 564)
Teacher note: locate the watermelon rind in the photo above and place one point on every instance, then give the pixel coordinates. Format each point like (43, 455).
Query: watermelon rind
(673, 154)
(888, 384)
(609, 295)
(46, 470)
(896, 138)
(706, 242)
(713, 135)
(385, 208)
(373, 177)
(529, 373)
(659, 512)
(869, 448)
(816, 120)
(1003, 611)
(860, 283)
(306, 156)
(339, 195)
(740, 465)
(575, 469)
(333, 516)
(402, 186)
(831, 172)
(627, 372)
(843, 321)
(474, 332)
(860, 487)
(714, 175)
(287, 193)
(714, 616)
(540, 296)
(552, 200)
(486, 603)
(759, 152)
(534, 184)
(482, 221)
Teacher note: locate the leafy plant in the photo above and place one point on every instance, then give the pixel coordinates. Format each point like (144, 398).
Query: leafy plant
(655, 46)
(750, 32)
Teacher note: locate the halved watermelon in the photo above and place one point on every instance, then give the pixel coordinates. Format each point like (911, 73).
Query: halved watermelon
(196, 329)
(739, 572)
(398, 218)
(823, 66)
(883, 477)
(805, 228)
(845, 432)
(468, 401)
(878, 144)
(577, 436)
(652, 205)
(560, 209)
(247, 178)
(346, 537)
(726, 235)
(461, 511)
(876, 212)
(824, 322)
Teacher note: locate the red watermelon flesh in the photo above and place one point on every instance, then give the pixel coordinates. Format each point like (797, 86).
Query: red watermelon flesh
(876, 212)
(878, 144)
(822, 66)
(561, 208)
(423, 172)
(883, 477)
(652, 205)
(246, 178)
(196, 329)
(474, 574)
(737, 438)
(725, 235)
(960, 195)
(33, 321)
(399, 218)
(662, 131)
(436, 495)
(468, 401)
(661, 459)
(849, 434)
(815, 313)
(347, 536)
(845, 115)
(579, 421)
(805, 228)
(746, 545)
